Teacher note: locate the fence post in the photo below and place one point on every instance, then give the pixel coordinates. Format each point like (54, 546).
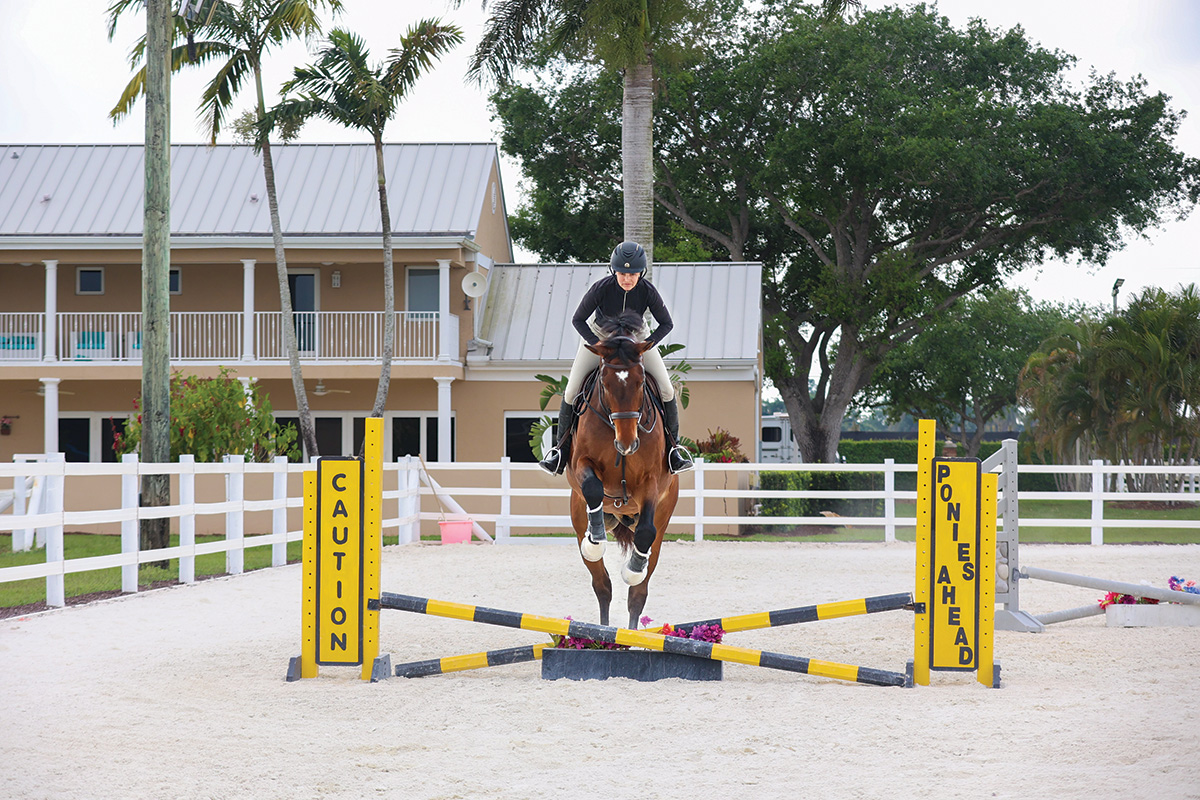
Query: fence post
(129, 527)
(699, 506)
(502, 525)
(1097, 501)
(407, 534)
(22, 539)
(235, 478)
(187, 519)
(279, 515)
(889, 499)
(56, 595)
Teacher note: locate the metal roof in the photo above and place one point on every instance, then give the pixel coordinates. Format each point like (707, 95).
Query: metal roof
(716, 308)
(323, 189)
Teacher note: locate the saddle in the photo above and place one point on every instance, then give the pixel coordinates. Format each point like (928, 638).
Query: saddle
(649, 387)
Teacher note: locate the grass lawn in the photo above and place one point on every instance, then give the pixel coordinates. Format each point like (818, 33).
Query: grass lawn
(28, 594)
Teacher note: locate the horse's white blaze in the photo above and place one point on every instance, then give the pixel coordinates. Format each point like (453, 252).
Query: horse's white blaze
(623, 375)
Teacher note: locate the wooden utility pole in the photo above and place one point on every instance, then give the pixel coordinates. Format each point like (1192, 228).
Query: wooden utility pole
(156, 264)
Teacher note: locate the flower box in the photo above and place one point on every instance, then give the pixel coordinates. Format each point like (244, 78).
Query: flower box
(1162, 615)
(640, 665)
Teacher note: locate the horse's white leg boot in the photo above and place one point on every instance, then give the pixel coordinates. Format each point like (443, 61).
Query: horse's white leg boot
(592, 545)
(634, 571)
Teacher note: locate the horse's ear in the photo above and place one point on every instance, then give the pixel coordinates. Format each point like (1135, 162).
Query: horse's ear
(599, 349)
(646, 346)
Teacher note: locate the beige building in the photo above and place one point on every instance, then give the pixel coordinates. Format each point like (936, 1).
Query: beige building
(463, 385)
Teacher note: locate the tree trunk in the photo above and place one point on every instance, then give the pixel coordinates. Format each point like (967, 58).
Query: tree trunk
(817, 417)
(389, 287)
(156, 264)
(637, 155)
(308, 431)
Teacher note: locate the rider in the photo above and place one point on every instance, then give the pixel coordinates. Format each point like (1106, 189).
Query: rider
(624, 289)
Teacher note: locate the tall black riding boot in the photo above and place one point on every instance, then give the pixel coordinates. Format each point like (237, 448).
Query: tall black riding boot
(678, 457)
(556, 460)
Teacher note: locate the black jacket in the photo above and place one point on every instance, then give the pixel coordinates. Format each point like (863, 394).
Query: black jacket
(607, 299)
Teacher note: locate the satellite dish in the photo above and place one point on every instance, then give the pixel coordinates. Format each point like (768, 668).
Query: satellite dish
(474, 284)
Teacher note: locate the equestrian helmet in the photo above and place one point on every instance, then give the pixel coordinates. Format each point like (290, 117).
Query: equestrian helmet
(628, 257)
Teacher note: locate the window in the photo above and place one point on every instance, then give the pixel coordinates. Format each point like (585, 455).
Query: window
(175, 281)
(74, 438)
(423, 286)
(89, 280)
(89, 436)
(417, 434)
(517, 425)
(772, 434)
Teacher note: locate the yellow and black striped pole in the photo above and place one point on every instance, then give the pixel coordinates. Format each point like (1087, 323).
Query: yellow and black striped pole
(644, 639)
(741, 622)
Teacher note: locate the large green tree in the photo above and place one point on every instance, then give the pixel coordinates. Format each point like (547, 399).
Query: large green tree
(235, 37)
(342, 86)
(962, 369)
(881, 169)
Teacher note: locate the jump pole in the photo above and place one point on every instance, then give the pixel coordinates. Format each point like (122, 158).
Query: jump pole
(645, 639)
(343, 528)
(955, 565)
(741, 622)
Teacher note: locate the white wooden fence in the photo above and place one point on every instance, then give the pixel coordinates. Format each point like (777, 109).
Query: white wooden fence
(37, 516)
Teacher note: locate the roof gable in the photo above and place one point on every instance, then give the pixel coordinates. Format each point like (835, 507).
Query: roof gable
(323, 189)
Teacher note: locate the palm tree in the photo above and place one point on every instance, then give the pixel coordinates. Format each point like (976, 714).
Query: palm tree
(344, 88)
(236, 37)
(624, 36)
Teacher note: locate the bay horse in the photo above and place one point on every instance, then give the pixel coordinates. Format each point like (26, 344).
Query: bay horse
(618, 472)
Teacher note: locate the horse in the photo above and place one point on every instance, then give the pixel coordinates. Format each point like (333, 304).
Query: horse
(618, 472)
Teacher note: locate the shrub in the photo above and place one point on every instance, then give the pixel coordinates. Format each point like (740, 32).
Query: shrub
(214, 417)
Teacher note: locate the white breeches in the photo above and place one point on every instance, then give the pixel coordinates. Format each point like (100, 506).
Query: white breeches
(586, 361)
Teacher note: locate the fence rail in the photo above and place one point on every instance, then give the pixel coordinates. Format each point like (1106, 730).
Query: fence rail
(38, 514)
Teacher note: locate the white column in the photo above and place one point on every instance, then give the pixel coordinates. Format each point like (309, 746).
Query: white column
(51, 334)
(248, 309)
(50, 410)
(443, 453)
(444, 312)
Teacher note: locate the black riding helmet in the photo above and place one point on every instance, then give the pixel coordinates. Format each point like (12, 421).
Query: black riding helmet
(628, 257)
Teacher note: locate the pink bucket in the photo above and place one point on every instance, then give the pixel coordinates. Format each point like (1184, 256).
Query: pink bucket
(457, 530)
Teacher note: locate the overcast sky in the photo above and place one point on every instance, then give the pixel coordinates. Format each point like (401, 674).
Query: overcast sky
(59, 76)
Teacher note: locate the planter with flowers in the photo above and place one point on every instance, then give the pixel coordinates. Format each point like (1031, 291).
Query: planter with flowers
(586, 659)
(6, 425)
(1129, 611)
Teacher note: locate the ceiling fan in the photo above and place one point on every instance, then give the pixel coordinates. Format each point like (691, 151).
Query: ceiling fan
(320, 390)
(40, 391)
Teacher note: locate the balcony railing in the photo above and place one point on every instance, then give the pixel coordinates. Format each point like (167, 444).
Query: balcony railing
(219, 336)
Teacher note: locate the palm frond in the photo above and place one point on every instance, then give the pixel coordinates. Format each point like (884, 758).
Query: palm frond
(218, 95)
(423, 43)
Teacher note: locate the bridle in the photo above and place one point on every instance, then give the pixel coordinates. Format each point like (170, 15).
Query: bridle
(609, 417)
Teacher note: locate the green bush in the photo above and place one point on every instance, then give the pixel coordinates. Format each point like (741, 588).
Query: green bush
(214, 417)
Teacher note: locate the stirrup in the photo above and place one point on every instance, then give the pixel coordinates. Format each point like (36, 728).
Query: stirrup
(680, 460)
(552, 463)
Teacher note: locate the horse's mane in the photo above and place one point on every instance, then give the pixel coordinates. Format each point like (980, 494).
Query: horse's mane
(617, 332)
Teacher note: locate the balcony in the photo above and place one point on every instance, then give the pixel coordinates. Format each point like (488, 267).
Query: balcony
(225, 337)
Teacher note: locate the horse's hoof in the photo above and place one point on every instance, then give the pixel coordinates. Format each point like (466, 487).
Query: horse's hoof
(591, 551)
(634, 571)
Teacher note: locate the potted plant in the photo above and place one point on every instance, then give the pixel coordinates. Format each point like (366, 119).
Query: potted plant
(1131, 611)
